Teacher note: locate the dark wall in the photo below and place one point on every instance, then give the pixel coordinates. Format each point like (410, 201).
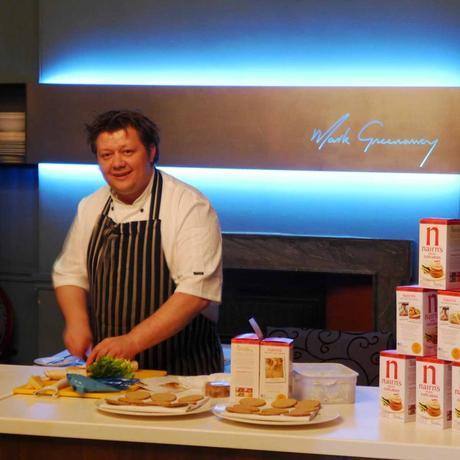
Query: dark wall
(19, 254)
(18, 41)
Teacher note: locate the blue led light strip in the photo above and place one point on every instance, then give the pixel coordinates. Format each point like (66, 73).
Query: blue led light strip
(323, 203)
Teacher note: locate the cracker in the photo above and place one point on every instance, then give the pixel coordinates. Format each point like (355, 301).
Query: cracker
(309, 404)
(137, 395)
(132, 402)
(240, 409)
(272, 411)
(115, 402)
(162, 397)
(253, 402)
(284, 403)
(301, 412)
(174, 386)
(190, 398)
(175, 404)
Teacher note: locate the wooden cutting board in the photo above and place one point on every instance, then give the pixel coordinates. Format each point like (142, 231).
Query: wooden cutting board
(69, 392)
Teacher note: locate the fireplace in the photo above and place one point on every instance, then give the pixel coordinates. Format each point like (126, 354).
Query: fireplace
(287, 280)
(273, 297)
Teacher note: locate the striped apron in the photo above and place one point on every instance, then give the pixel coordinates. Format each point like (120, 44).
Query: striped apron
(130, 279)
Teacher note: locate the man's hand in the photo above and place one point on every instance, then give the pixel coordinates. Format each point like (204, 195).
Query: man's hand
(77, 332)
(169, 319)
(78, 339)
(122, 346)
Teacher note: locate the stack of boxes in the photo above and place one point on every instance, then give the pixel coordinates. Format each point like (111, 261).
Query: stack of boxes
(261, 368)
(420, 380)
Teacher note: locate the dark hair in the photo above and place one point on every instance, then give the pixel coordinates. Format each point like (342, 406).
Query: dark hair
(115, 120)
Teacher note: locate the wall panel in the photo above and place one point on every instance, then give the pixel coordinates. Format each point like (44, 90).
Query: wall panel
(348, 129)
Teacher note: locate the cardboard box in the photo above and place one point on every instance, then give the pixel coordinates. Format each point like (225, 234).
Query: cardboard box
(416, 321)
(275, 367)
(397, 386)
(433, 392)
(439, 253)
(449, 325)
(456, 396)
(245, 352)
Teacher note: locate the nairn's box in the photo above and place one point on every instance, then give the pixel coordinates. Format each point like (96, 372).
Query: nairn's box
(456, 396)
(397, 386)
(433, 392)
(439, 253)
(245, 352)
(275, 367)
(416, 320)
(449, 325)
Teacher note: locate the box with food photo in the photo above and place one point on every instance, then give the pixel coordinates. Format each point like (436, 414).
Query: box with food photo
(416, 320)
(276, 355)
(439, 253)
(433, 392)
(449, 325)
(245, 353)
(456, 396)
(397, 386)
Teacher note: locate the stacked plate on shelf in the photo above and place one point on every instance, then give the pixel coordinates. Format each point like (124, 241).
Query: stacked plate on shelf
(12, 137)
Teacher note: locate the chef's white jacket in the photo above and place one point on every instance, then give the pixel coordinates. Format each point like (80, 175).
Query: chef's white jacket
(190, 233)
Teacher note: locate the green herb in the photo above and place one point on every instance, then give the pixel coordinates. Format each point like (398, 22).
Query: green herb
(111, 367)
(385, 401)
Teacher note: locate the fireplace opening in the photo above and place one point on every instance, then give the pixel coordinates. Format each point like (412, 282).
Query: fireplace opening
(283, 298)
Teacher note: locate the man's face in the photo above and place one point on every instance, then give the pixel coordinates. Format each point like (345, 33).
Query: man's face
(124, 162)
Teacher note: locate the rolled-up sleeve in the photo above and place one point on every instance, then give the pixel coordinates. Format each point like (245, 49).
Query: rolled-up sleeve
(198, 252)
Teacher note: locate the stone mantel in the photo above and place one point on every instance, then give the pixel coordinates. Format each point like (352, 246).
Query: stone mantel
(387, 261)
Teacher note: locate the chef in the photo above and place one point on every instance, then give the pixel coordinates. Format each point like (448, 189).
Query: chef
(140, 273)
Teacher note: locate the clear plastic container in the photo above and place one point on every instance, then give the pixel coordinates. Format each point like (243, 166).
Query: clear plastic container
(331, 383)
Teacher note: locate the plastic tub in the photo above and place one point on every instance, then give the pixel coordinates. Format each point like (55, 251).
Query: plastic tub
(331, 383)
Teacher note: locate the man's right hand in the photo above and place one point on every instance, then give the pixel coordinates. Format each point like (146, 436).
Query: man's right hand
(78, 339)
(77, 332)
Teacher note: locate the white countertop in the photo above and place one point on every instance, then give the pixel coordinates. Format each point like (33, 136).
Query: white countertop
(358, 432)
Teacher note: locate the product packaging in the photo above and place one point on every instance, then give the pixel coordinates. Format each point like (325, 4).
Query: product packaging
(433, 392)
(456, 396)
(449, 325)
(397, 386)
(275, 367)
(439, 253)
(245, 353)
(416, 321)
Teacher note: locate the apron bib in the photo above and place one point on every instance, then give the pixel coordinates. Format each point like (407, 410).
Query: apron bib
(130, 279)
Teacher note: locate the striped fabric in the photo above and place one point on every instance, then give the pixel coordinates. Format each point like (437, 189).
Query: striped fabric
(130, 279)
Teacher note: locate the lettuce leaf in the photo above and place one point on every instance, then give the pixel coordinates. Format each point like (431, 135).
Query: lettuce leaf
(111, 367)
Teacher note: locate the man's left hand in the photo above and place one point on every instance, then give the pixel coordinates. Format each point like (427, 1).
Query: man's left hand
(122, 346)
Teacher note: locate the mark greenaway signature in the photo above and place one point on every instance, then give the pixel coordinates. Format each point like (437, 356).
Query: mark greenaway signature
(337, 133)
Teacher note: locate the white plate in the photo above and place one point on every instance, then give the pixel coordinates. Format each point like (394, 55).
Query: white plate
(326, 414)
(149, 411)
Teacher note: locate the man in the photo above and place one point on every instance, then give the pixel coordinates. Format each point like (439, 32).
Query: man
(147, 249)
